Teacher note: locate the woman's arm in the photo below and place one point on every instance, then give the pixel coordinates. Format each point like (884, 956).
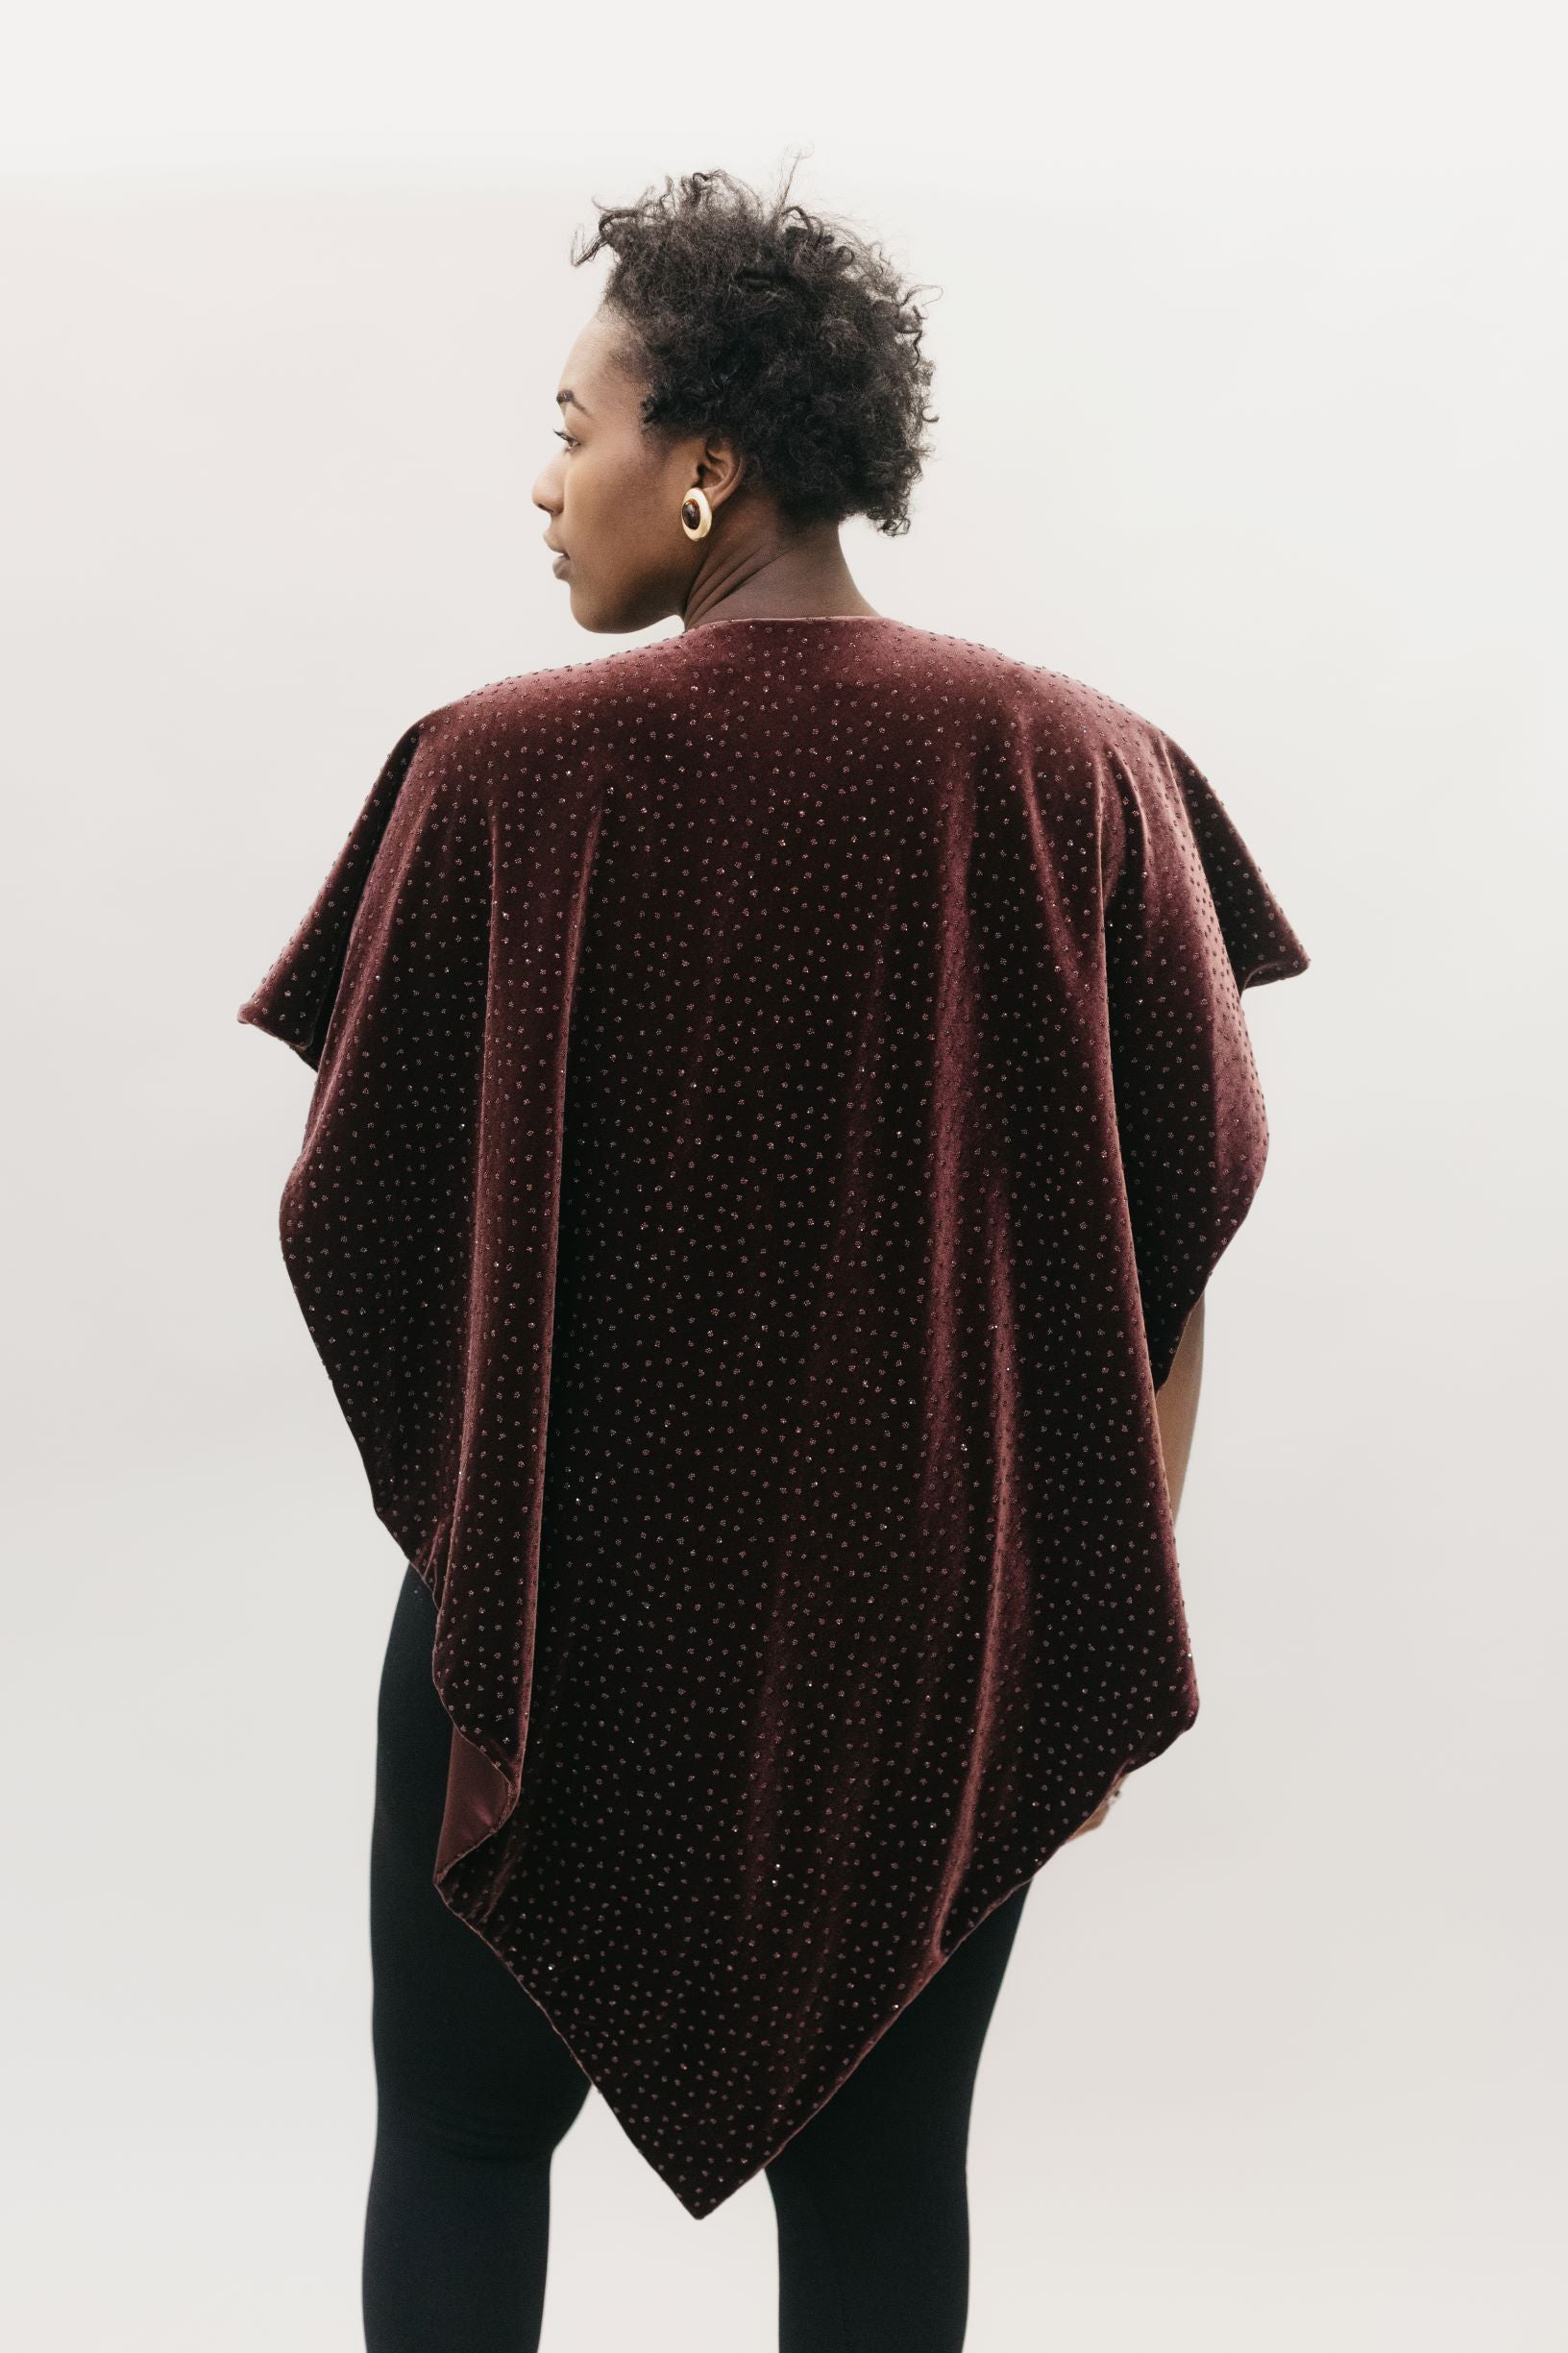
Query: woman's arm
(1176, 1404)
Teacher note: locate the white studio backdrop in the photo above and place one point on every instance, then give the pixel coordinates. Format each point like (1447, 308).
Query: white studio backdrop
(1260, 435)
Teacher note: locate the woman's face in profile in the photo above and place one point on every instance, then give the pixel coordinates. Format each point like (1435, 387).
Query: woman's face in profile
(613, 491)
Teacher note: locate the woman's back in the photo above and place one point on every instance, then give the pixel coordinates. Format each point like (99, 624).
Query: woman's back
(780, 1090)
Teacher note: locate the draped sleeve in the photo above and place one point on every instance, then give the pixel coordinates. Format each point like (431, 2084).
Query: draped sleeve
(1189, 924)
(294, 1001)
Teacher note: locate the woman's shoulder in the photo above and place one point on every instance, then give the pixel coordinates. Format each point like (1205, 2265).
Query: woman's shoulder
(557, 693)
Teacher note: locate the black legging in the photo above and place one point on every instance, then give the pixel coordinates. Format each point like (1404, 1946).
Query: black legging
(475, 2090)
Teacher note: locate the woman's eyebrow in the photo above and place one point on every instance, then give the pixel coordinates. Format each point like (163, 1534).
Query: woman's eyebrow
(563, 397)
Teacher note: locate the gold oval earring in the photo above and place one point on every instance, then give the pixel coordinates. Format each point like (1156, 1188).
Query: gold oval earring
(695, 515)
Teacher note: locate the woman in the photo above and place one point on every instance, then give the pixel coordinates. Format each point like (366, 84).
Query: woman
(781, 1091)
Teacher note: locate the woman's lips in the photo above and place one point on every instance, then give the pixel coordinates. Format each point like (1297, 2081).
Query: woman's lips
(559, 566)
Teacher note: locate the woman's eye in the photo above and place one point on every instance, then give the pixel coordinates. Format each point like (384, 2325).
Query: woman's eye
(569, 439)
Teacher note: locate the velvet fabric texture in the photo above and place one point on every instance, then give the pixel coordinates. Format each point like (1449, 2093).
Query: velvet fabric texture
(780, 1090)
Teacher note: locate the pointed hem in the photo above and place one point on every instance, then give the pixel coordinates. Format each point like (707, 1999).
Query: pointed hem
(481, 1799)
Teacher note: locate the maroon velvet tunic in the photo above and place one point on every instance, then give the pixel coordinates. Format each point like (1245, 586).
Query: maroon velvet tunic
(780, 1090)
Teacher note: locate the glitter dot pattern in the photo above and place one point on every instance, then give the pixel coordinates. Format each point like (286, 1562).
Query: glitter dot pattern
(780, 1090)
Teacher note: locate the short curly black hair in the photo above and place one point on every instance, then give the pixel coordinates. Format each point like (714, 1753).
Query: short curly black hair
(788, 332)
